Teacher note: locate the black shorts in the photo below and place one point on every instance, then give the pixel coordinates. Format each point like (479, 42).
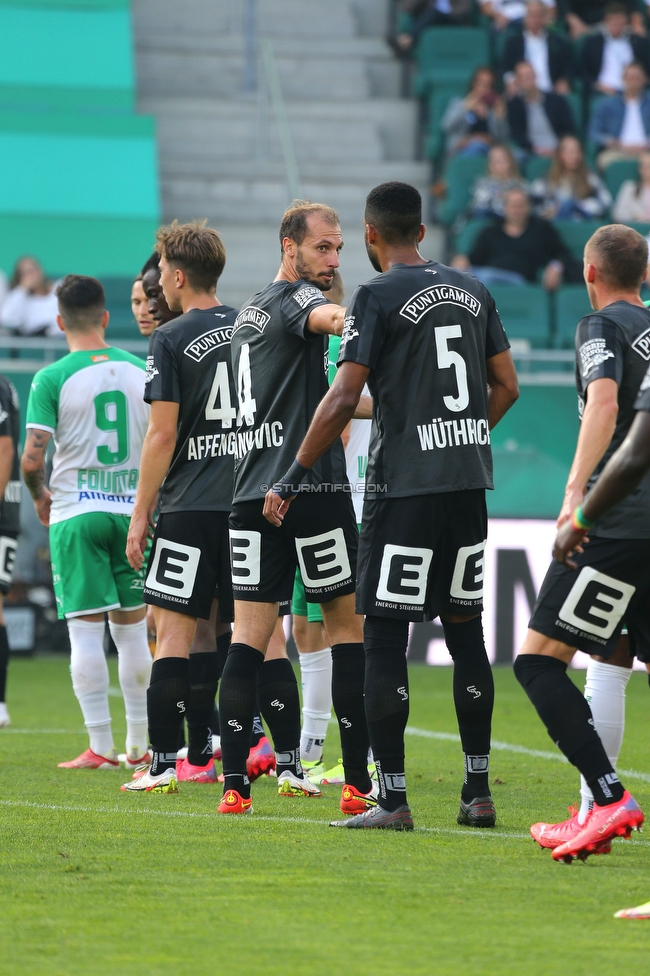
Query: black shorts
(422, 556)
(8, 545)
(189, 561)
(319, 533)
(587, 608)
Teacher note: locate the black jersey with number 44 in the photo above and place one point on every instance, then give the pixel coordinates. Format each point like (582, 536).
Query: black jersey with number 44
(189, 364)
(426, 332)
(280, 369)
(10, 427)
(614, 343)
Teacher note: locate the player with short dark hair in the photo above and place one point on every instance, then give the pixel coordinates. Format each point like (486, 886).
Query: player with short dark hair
(159, 310)
(586, 610)
(90, 403)
(190, 446)
(10, 490)
(279, 361)
(430, 343)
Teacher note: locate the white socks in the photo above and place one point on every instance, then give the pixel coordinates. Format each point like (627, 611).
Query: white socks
(605, 691)
(316, 671)
(89, 673)
(134, 670)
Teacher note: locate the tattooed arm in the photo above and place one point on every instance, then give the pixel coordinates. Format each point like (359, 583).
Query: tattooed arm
(33, 467)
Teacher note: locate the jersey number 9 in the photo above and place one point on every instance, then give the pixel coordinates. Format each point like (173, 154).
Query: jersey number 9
(112, 416)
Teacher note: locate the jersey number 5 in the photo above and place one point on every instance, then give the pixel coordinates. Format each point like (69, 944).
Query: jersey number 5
(112, 416)
(447, 358)
(219, 406)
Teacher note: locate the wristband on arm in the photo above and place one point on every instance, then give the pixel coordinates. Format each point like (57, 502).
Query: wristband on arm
(579, 522)
(289, 485)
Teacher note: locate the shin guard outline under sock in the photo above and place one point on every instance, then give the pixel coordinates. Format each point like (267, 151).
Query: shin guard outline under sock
(348, 684)
(204, 678)
(280, 707)
(237, 696)
(167, 697)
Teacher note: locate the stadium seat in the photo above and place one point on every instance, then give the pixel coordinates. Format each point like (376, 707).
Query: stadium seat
(524, 311)
(465, 238)
(617, 173)
(571, 303)
(448, 56)
(575, 233)
(460, 175)
(536, 167)
(438, 101)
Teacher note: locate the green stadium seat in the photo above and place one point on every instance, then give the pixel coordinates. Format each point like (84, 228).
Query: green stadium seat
(536, 167)
(460, 175)
(571, 303)
(616, 174)
(524, 311)
(467, 235)
(438, 101)
(576, 233)
(448, 56)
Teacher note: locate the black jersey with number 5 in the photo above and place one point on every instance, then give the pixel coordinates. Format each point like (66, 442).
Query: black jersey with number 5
(280, 371)
(426, 332)
(189, 364)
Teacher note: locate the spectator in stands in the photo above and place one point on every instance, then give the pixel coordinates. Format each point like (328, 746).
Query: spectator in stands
(515, 250)
(31, 307)
(620, 124)
(490, 191)
(633, 199)
(607, 53)
(537, 120)
(549, 54)
(430, 13)
(473, 123)
(509, 13)
(583, 16)
(570, 191)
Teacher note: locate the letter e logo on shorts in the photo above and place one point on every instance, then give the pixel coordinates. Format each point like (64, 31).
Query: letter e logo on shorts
(404, 574)
(173, 569)
(245, 550)
(467, 581)
(596, 602)
(7, 558)
(323, 559)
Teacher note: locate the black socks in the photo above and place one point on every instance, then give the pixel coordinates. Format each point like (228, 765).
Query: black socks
(237, 696)
(280, 706)
(474, 702)
(204, 678)
(387, 704)
(566, 714)
(258, 729)
(348, 678)
(167, 697)
(4, 662)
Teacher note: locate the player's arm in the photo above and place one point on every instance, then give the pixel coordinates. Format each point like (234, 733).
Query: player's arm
(596, 431)
(620, 476)
(326, 319)
(503, 386)
(364, 409)
(157, 453)
(6, 461)
(34, 472)
(334, 411)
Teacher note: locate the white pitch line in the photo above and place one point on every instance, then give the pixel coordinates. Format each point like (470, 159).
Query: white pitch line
(188, 814)
(11, 731)
(511, 747)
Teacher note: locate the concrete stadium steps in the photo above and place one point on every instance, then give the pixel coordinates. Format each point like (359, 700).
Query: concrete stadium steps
(220, 153)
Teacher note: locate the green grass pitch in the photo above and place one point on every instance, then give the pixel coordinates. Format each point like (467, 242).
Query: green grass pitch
(98, 883)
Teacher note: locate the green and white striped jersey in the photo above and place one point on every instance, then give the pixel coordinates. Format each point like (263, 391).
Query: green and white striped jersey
(91, 402)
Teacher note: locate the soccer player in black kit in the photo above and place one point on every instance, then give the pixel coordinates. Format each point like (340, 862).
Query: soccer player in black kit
(585, 610)
(10, 485)
(190, 444)
(432, 348)
(279, 354)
